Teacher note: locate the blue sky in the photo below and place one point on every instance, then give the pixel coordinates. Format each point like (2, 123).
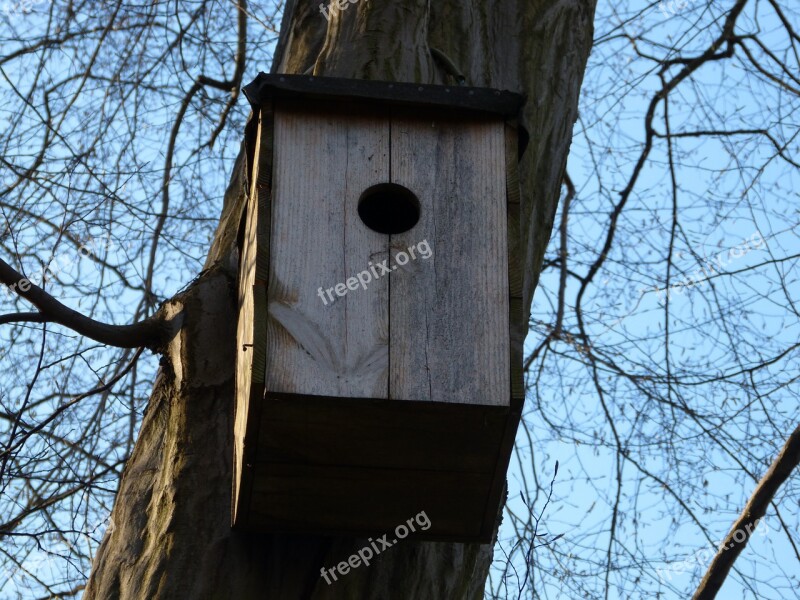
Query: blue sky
(727, 190)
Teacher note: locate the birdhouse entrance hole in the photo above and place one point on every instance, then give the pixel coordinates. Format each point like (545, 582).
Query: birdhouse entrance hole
(388, 208)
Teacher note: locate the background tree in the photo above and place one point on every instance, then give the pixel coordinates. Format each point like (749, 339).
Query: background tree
(664, 409)
(171, 511)
(663, 356)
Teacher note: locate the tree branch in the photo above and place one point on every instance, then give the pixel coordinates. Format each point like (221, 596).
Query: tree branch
(148, 333)
(756, 507)
(26, 317)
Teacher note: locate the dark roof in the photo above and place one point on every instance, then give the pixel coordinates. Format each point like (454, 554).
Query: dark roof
(484, 100)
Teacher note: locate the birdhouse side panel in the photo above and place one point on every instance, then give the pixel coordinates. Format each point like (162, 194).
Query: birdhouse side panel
(450, 314)
(327, 328)
(250, 338)
(518, 320)
(244, 353)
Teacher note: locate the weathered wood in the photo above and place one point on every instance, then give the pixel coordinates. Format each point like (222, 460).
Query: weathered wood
(497, 488)
(252, 303)
(324, 344)
(518, 332)
(380, 433)
(319, 345)
(359, 500)
(391, 93)
(517, 316)
(415, 455)
(388, 412)
(449, 314)
(513, 208)
(345, 400)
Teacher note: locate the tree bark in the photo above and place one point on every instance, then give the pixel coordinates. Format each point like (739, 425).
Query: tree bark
(171, 536)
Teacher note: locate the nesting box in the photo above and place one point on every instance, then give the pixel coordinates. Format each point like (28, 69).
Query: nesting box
(379, 340)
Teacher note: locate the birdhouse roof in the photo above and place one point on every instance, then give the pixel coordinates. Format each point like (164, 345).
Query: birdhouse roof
(472, 99)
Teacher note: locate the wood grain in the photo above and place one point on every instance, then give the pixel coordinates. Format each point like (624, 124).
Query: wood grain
(401, 393)
(449, 314)
(363, 501)
(452, 98)
(337, 347)
(246, 384)
(380, 433)
(517, 320)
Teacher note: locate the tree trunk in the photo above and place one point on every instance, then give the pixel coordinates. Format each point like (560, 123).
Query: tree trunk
(171, 536)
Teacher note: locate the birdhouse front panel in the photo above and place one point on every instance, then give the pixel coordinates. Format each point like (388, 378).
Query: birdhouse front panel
(378, 354)
(345, 318)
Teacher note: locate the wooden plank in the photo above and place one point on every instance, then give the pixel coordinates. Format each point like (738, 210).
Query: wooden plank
(263, 183)
(517, 329)
(251, 304)
(513, 208)
(513, 132)
(517, 320)
(515, 252)
(496, 497)
(319, 345)
(380, 433)
(360, 502)
(389, 93)
(449, 313)
(517, 332)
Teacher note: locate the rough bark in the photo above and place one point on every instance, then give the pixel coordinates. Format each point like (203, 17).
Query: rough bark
(172, 536)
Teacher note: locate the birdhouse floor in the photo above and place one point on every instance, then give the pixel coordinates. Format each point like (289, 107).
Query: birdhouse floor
(350, 466)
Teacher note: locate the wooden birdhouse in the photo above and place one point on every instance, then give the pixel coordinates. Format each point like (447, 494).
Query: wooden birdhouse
(380, 325)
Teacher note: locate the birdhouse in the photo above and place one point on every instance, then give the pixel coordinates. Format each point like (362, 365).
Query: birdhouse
(379, 349)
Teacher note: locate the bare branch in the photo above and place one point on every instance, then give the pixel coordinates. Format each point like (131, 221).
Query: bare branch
(756, 507)
(148, 333)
